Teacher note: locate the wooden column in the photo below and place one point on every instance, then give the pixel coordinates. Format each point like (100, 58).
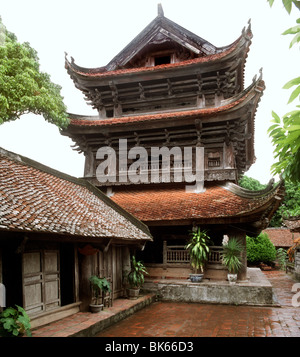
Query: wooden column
(165, 255)
(1, 279)
(2, 287)
(76, 274)
(84, 283)
(125, 268)
(89, 163)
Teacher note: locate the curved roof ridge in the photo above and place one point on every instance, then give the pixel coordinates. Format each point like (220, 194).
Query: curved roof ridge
(246, 193)
(134, 46)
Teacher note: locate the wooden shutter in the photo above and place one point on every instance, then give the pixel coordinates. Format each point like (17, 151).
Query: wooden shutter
(41, 281)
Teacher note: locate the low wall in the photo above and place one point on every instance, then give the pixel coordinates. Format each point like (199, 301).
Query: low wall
(158, 271)
(256, 290)
(183, 271)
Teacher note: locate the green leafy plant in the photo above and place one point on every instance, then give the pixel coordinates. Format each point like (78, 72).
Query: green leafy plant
(281, 255)
(231, 255)
(136, 275)
(14, 322)
(198, 249)
(98, 285)
(285, 135)
(23, 87)
(251, 184)
(260, 249)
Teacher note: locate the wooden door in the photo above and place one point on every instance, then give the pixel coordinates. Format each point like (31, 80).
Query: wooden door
(41, 281)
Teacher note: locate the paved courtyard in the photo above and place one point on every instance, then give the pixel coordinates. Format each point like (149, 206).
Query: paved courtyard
(162, 319)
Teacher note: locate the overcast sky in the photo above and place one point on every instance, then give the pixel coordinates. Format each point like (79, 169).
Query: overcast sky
(94, 31)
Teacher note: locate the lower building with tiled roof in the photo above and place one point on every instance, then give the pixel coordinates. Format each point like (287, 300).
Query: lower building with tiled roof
(281, 237)
(55, 232)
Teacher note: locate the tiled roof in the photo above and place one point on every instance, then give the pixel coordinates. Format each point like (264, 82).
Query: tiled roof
(102, 72)
(217, 202)
(38, 199)
(74, 121)
(281, 237)
(254, 89)
(209, 52)
(293, 223)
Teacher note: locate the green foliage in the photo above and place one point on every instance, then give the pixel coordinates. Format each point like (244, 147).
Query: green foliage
(286, 139)
(260, 249)
(136, 275)
(14, 322)
(288, 4)
(231, 255)
(285, 134)
(281, 255)
(98, 285)
(198, 248)
(290, 206)
(251, 184)
(23, 88)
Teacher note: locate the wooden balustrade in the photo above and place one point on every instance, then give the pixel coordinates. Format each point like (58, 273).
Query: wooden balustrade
(215, 255)
(176, 254)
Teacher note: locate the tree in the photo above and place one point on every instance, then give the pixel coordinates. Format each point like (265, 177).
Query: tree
(251, 184)
(260, 249)
(285, 134)
(290, 206)
(23, 87)
(291, 203)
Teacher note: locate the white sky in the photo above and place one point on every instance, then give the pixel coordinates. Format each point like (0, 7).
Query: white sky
(94, 31)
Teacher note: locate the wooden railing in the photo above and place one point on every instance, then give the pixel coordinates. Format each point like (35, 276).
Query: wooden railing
(215, 254)
(176, 254)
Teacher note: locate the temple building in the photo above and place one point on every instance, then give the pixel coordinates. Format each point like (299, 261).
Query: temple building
(168, 107)
(56, 231)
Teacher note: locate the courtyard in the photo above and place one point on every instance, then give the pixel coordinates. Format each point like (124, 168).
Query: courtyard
(190, 319)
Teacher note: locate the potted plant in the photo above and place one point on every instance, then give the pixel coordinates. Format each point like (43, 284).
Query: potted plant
(198, 249)
(231, 258)
(135, 278)
(14, 322)
(98, 285)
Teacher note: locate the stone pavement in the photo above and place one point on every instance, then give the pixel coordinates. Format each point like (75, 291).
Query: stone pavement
(162, 319)
(86, 324)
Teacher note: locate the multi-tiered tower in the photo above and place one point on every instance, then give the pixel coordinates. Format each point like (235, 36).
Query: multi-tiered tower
(170, 88)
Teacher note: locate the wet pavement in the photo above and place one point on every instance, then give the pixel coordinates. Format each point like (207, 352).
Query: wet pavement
(164, 319)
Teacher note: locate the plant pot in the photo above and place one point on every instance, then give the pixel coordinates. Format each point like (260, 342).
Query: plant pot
(196, 278)
(232, 278)
(96, 308)
(133, 293)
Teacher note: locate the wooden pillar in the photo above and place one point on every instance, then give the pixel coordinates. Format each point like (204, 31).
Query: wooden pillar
(165, 255)
(126, 260)
(89, 163)
(126, 267)
(241, 237)
(2, 287)
(85, 292)
(76, 274)
(1, 279)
